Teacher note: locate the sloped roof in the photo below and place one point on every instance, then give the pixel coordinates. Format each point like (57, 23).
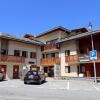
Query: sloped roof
(77, 36)
(19, 39)
(63, 29)
(53, 29)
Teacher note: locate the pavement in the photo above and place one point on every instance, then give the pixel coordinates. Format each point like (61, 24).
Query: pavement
(50, 90)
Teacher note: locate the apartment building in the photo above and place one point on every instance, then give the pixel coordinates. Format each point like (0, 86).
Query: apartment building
(55, 51)
(67, 52)
(17, 53)
(61, 53)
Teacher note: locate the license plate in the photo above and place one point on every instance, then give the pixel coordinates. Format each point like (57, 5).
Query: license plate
(31, 76)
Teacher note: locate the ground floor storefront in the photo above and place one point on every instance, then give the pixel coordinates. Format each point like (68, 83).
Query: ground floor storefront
(11, 70)
(88, 69)
(16, 70)
(73, 70)
(49, 71)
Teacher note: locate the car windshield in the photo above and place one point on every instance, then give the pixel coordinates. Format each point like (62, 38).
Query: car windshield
(31, 73)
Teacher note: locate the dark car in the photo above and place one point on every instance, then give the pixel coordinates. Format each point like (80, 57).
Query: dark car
(1, 76)
(34, 77)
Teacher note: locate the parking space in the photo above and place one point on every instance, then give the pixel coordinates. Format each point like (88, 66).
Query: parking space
(54, 84)
(52, 89)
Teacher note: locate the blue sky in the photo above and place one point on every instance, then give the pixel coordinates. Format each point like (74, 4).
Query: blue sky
(18, 17)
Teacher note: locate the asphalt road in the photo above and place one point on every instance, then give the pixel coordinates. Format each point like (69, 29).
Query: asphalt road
(51, 90)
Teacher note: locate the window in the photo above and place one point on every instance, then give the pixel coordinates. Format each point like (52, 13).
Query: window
(82, 51)
(24, 54)
(48, 55)
(43, 55)
(53, 55)
(16, 52)
(82, 69)
(32, 54)
(4, 51)
(67, 52)
(56, 54)
(67, 69)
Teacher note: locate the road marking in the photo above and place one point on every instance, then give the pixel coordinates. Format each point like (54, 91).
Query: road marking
(17, 97)
(98, 89)
(68, 85)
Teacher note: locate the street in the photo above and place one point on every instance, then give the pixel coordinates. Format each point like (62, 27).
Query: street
(50, 90)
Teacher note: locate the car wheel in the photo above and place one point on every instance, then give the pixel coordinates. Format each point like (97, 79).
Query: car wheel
(2, 78)
(39, 82)
(25, 82)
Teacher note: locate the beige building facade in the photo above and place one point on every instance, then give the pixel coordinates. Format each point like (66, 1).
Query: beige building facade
(58, 52)
(17, 54)
(54, 52)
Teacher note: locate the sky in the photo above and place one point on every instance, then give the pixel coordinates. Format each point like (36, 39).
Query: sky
(18, 17)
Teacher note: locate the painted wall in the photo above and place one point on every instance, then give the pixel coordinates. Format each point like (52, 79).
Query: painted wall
(72, 46)
(39, 55)
(52, 35)
(9, 68)
(13, 45)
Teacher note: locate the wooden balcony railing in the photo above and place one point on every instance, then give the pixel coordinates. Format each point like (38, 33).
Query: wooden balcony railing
(80, 58)
(50, 47)
(50, 61)
(9, 58)
(72, 58)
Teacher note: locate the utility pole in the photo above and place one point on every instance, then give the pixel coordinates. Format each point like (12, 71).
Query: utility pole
(92, 42)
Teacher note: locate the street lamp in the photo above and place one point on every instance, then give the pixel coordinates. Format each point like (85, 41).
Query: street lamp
(92, 42)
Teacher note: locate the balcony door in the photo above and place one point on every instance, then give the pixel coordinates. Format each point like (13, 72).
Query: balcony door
(15, 72)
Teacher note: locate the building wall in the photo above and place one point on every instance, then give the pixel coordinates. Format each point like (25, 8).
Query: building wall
(53, 35)
(9, 68)
(39, 55)
(72, 46)
(13, 45)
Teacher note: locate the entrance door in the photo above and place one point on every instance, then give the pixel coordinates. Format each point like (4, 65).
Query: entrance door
(15, 72)
(89, 70)
(3, 69)
(51, 71)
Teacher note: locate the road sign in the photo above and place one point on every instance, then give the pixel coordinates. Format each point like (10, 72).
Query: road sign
(93, 54)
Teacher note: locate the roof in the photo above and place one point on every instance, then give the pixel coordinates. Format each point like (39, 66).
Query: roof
(80, 30)
(63, 29)
(19, 39)
(31, 37)
(53, 29)
(77, 36)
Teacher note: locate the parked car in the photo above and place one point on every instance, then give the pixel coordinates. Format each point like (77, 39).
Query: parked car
(34, 77)
(1, 76)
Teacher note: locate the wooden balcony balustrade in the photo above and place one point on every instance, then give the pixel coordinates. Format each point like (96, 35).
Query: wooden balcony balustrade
(10, 58)
(72, 58)
(78, 58)
(49, 47)
(50, 61)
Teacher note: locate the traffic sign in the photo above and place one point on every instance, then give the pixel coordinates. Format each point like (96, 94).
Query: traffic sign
(93, 54)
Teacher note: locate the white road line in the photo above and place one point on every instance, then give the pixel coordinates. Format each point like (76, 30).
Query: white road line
(98, 89)
(17, 97)
(68, 85)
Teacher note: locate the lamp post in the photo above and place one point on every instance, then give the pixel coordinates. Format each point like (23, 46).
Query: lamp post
(92, 42)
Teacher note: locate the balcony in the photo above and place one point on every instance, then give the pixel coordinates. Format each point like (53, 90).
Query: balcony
(8, 58)
(80, 58)
(50, 61)
(50, 47)
(72, 58)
